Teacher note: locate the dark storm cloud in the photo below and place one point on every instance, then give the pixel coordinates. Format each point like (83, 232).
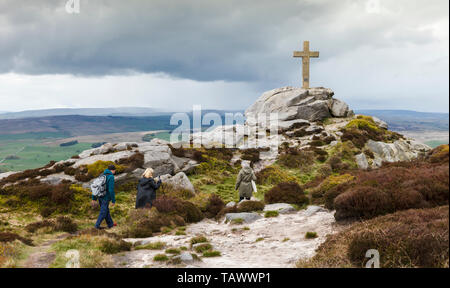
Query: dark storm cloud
(200, 40)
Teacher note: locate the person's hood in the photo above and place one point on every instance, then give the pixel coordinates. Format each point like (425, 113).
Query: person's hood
(247, 170)
(108, 172)
(144, 180)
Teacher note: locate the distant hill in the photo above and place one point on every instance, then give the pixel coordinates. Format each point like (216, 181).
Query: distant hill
(120, 111)
(405, 120)
(77, 125)
(64, 126)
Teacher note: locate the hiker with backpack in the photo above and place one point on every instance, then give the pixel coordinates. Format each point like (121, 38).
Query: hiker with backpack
(103, 192)
(147, 190)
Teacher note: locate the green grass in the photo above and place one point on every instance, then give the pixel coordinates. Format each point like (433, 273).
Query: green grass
(211, 254)
(198, 239)
(151, 246)
(270, 214)
(311, 235)
(173, 251)
(160, 258)
(34, 153)
(203, 247)
(237, 221)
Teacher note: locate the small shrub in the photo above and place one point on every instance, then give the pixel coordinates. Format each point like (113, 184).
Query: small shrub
(209, 254)
(311, 235)
(290, 193)
(214, 206)
(237, 221)
(297, 158)
(259, 239)
(203, 248)
(198, 239)
(151, 246)
(272, 175)
(250, 206)
(270, 214)
(65, 224)
(160, 258)
(173, 251)
(114, 246)
(10, 237)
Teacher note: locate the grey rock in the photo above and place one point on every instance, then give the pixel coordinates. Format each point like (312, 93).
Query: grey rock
(180, 180)
(282, 208)
(56, 179)
(311, 210)
(103, 157)
(361, 161)
(6, 174)
(400, 150)
(124, 146)
(246, 217)
(230, 204)
(339, 108)
(380, 123)
(293, 103)
(97, 151)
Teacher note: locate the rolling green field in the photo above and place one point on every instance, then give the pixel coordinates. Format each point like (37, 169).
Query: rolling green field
(29, 151)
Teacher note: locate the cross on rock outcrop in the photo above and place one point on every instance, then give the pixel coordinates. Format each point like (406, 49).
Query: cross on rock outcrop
(306, 55)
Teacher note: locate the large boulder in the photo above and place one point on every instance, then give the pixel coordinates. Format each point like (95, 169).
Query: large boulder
(103, 157)
(158, 156)
(339, 108)
(293, 103)
(180, 180)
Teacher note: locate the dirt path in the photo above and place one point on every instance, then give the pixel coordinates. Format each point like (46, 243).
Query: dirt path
(270, 242)
(40, 256)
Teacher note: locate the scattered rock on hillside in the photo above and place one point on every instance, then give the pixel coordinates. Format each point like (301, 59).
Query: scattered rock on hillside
(361, 161)
(6, 174)
(282, 208)
(311, 210)
(56, 179)
(246, 217)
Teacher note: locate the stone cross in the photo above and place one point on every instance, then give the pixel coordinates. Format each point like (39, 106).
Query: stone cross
(306, 54)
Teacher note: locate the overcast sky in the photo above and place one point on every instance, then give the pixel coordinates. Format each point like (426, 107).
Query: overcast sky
(375, 54)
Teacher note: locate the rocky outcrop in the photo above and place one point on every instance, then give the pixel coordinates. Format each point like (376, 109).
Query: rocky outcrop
(315, 104)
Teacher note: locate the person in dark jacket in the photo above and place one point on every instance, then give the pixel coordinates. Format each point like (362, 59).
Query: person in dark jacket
(110, 196)
(147, 190)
